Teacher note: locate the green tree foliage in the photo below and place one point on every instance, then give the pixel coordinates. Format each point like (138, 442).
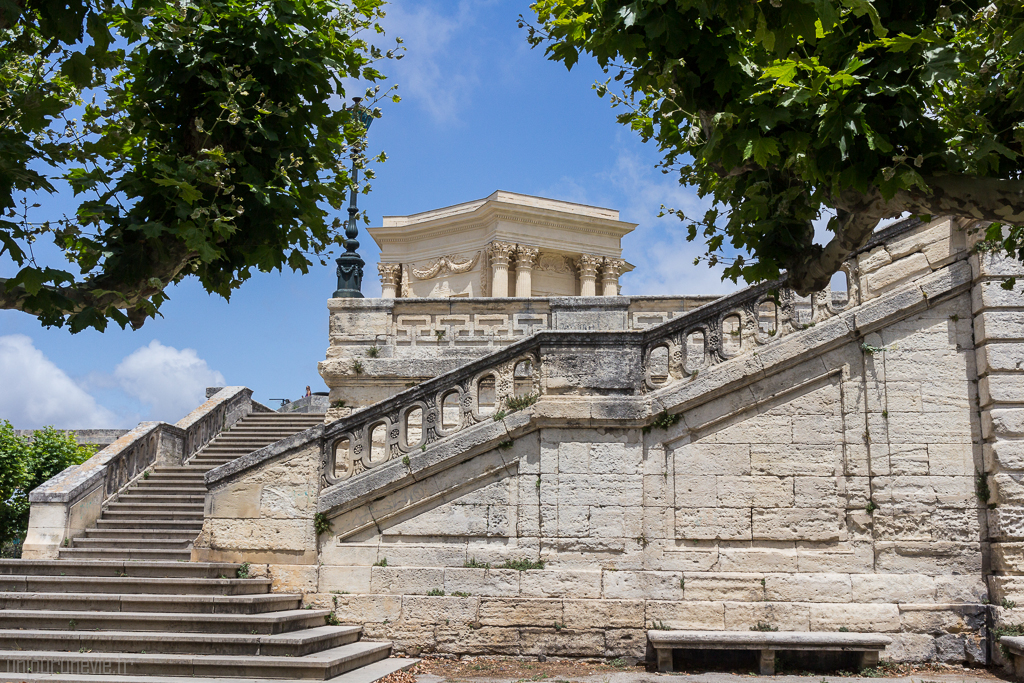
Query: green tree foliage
(783, 111)
(205, 138)
(25, 463)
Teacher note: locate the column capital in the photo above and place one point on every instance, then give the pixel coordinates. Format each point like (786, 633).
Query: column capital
(587, 265)
(500, 252)
(390, 274)
(611, 268)
(526, 256)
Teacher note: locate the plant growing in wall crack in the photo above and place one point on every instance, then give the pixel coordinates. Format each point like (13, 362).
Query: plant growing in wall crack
(663, 421)
(522, 565)
(516, 403)
(321, 524)
(243, 571)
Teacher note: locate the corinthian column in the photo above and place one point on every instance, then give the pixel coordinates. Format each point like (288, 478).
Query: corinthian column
(587, 267)
(389, 274)
(525, 258)
(610, 275)
(500, 253)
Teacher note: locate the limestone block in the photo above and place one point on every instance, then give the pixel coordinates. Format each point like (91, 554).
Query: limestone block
(551, 583)
(686, 616)
(349, 553)
(695, 491)
(599, 614)
(565, 642)
(1003, 423)
(938, 619)
(874, 259)
(647, 585)
(929, 428)
(746, 492)
(816, 492)
(706, 458)
(625, 643)
(1008, 557)
(713, 523)
(847, 557)
(406, 580)
(914, 588)
(742, 616)
(262, 534)
(911, 364)
(449, 554)
(780, 557)
(658, 491)
(781, 460)
(344, 579)
(797, 524)
(485, 582)
(615, 521)
(995, 326)
(898, 397)
(600, 489)
(1001, 389)
(949, 589)
(994, 264)
(1006, 523)
(959, 525)
(950, 459)
(918, 238)
(872, 618)
(908, 459)
(929, 490)
(299, 468)
(894, 524)
(615, 457)
(1007, 488)
(658, 522)
(481, 641)
(1000, 357)
(910, 648)
(898, 272)
(439, 610)
(235, 501)
(808, 588)
(294, 578)
(287, 502)
(916, 557)
(711, 587)
(520, 611)
(682, 556)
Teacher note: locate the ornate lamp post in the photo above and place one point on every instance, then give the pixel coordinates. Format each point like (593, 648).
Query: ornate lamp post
(350, 266)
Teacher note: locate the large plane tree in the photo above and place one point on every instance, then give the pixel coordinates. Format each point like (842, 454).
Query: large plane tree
(205, 138)
(781, 112)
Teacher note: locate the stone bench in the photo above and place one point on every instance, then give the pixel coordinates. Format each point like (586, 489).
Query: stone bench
(869, 644)
(1015, 646)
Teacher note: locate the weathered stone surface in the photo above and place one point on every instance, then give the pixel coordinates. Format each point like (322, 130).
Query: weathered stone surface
(855, 617)
(406, 580)
(808, 587)
(696, 616)
(520, 611)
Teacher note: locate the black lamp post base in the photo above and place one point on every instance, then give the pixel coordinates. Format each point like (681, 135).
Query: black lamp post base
(350, 276)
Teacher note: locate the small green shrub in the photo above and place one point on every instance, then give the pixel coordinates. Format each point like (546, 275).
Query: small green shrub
(871, 507)
(337, 404)
(663, 421)
(473, 564)
(439, 334)
(500, 415)
(559, 626)
(1011, 630)
(321, 524)
(1008, 604)
(460, 594)
(382, 562)
(505, 445)
(373, 352)
(357, 367)
(522, 565)
(981, 487)
(243, 571)
(515, 403)
(659, 626)
(332, 619)
(405, 460)
(843, 629)
(145, 475)
(435, 592)
(763, 626)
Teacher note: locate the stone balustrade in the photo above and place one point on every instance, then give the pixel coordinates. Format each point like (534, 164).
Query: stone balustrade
(67, 504)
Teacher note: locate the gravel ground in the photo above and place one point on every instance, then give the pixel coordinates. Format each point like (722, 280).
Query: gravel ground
(513, 670)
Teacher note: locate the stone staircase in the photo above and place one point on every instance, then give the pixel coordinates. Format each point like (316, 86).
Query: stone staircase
(80, 621)
(160, 516)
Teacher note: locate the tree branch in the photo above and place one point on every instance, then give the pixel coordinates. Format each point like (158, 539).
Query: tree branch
(984, 199)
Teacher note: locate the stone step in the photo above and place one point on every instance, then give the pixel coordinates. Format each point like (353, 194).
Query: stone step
(294, 644)
(156, 513)
(376, 671)
(124, 554)
(176, 483)
(186, 506)
(128, 534)
(138, 497)
(317, 666)
(84, 620)
(146, 602)
(152, 543)
(189, 489)
(149, 524)
(134, 584)
(209, 570)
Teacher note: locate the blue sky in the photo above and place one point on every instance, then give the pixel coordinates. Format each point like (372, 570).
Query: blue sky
(481, 111)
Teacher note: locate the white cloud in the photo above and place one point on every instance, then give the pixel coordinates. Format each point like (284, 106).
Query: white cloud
(429, 74)
(170, 381)
(36, 393)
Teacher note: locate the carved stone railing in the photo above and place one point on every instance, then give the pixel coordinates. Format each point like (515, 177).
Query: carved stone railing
(674, 351)
(65, 505)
